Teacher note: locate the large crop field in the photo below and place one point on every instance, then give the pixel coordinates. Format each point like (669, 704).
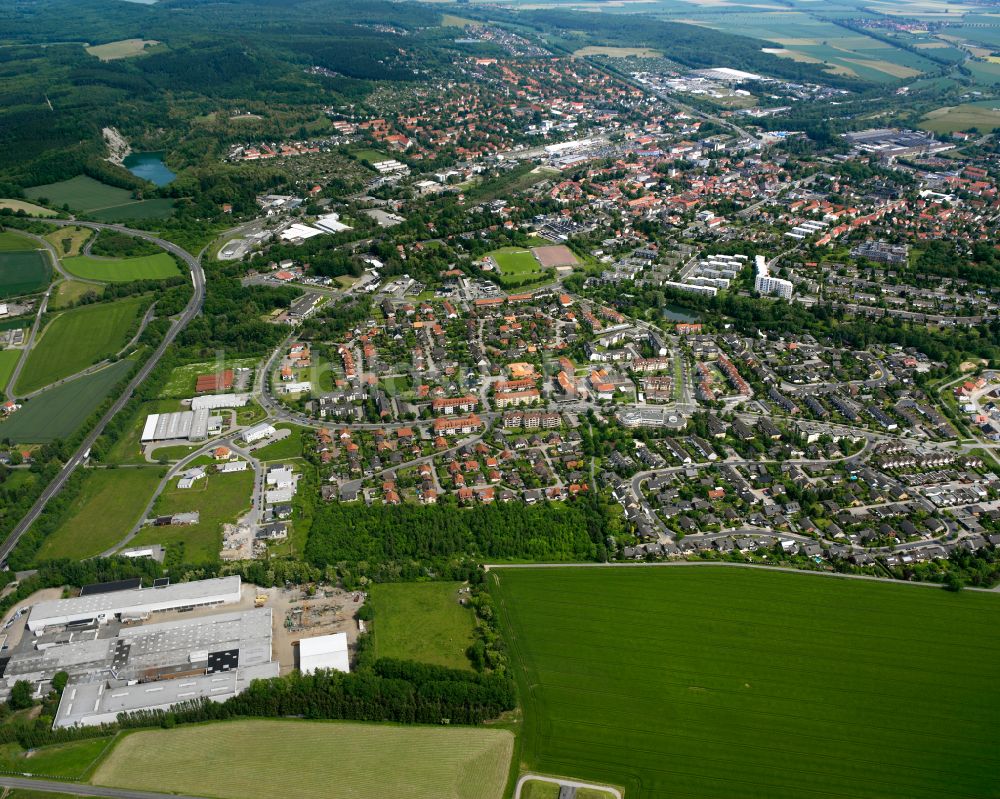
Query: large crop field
(78, 338)
(117, 270)
(219, 498)
(58, 412)
(112, 500)
(312, 760)
(106, 203)
(23, 272)
(422, 621)
(8, 360)
(985, 117)
(704, 681)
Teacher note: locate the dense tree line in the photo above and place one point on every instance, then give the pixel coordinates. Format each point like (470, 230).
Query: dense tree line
(368, 537)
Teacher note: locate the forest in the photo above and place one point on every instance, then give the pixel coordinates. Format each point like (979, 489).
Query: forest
(376, 537)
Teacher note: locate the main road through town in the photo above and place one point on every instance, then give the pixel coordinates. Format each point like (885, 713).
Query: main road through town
(82, 789)
(192, 309)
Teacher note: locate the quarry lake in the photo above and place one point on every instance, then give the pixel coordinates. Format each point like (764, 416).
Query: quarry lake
(149, 166)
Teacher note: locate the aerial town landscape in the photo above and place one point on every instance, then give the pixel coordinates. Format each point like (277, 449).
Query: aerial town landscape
(507, 400)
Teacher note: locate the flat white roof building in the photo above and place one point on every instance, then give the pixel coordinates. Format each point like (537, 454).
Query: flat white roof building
(134, 602)
(258, 432)
(191, 425)
(324, 652)
(213, 401)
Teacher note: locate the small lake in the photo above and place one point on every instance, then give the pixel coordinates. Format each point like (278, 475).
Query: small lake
(149, 166)
(677, 314)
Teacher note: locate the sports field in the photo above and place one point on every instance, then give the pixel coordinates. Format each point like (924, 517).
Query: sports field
(112, 500)
(219, 498)
(86, 195)
(312, 760)
(703, 681)
(58, 412)
(23, 272)
(515, 262)
(119, 270)
(78, 338)
(422, 621)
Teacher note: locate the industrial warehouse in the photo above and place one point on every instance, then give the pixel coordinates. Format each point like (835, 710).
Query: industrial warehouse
(127, 648)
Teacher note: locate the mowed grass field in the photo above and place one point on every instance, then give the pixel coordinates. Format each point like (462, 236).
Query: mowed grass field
(123, 48)
(65, 761)
(119, 270)
(68, 241)
(58, 412)
(78, 338)
(219, 498)
(112, 500)
(312, 760)
(422, 621)
(982, 116)
(702, 681)
(515, 262)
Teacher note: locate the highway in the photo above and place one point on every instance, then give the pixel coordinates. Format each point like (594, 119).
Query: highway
(192, 309)
(80, 789)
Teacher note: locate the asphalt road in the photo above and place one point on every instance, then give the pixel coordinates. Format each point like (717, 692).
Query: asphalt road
(193, 309)
(78, 789)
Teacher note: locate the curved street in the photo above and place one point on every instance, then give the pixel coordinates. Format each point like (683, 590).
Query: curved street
(192, 309)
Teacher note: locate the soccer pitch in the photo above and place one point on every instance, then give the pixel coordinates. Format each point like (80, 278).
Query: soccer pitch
(704, 681)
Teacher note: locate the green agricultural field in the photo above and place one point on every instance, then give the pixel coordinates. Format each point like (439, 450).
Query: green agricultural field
(220, 498)
(99, 200)
(78, 338)
(713, 681)
(11, 241)
(8, 360)
(312, 760)
(422, 621)
(81, 193)
(121, 270)
(143, 209)
(59, 412)
(23, 272)
(112, 500)
(61, 761)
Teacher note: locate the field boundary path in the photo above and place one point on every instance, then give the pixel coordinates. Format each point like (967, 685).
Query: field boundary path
(718, 563)
(192, 309)
(560, 781)
(81, 789)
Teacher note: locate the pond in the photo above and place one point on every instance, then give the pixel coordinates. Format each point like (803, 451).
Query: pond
(149, 166)
(676, 313)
